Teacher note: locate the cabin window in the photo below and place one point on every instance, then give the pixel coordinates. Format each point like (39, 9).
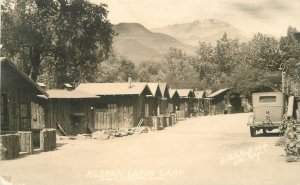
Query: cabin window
(24, 114)
(112, 107)
(4, 113)
(267, 99)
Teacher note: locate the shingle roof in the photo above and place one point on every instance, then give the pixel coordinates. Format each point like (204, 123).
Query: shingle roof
(184, 92)
(6, 61)
(199, 94)
(74, 94)
(218, 92)
(113, 88)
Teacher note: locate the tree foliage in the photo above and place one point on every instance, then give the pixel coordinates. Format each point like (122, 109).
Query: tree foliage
(70, 39)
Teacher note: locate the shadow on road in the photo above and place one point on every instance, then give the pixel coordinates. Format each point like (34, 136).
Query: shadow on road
(273, 134)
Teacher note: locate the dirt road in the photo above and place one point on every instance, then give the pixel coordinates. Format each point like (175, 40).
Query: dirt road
(214, 150)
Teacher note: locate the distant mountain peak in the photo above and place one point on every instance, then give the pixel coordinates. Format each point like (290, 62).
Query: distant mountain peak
(138, 44)
(207, 30)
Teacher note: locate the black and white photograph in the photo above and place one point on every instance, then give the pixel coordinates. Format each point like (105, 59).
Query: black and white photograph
(150, 92)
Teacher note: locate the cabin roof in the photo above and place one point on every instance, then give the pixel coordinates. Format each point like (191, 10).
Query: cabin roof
(199, 94)
(164, 89)
(154, 87)
(172, 92)
(6, 62)
(136, 88)
(220, 91)
(184, 93)
(73, 94)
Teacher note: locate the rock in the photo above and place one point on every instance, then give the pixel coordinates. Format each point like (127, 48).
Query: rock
(100, 135)
(123, 133)
(62, 137)
(142, 129)
(80, 137)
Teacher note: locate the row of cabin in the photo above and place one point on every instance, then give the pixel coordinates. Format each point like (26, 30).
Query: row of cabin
(26, 105)
(103, 106)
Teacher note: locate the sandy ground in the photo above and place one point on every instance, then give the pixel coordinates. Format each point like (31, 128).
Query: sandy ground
(214, 150)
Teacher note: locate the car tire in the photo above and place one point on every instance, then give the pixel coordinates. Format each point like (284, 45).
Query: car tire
(252, 131)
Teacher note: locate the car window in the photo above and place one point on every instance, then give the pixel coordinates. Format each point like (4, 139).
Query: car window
(267, 99)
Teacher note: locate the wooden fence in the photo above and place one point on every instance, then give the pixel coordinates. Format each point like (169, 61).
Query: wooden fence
(48, 140)
(9, 146)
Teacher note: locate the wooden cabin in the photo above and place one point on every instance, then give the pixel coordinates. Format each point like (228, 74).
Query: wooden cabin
(174, 99)
(166, 105)
(121, 105)
(154, 101)
(70, 111)
(186, 101)
(22, 102)
(224, 101)
(198, 102)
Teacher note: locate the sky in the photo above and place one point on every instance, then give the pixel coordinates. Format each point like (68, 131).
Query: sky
(251, 16)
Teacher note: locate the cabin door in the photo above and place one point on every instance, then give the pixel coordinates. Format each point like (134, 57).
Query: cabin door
(4, 113)
(37, 116)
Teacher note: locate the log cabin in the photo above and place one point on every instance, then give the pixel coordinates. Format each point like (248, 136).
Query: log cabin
(70, 111)
(121, 105)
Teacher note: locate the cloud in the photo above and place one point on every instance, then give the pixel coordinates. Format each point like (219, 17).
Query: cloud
(264, 10)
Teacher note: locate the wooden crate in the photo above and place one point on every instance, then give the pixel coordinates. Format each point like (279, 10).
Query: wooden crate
(26, 142)
(48, 139)
(9, 146)
(161, 122)
(180, 115)
(173, 119)
(167, 120)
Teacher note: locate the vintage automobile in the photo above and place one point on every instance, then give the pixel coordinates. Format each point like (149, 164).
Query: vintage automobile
(268, 111)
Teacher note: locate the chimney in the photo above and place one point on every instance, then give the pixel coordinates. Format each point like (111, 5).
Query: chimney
(42, 85)
(129, 81)
(68, 87)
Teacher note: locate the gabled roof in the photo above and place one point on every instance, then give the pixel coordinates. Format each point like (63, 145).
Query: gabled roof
(218, 93)
(113, 88)
(164, 90)
(199, 94)
(65, 94)
(154, 88)
(173, 93)
(185, 93)
(6, 62)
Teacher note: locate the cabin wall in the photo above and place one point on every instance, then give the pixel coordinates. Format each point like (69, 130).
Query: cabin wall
(117, 112)
(186, 105)
(74, 116)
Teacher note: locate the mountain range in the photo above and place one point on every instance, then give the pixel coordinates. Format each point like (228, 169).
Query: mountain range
(138, 43)
(209, 30)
